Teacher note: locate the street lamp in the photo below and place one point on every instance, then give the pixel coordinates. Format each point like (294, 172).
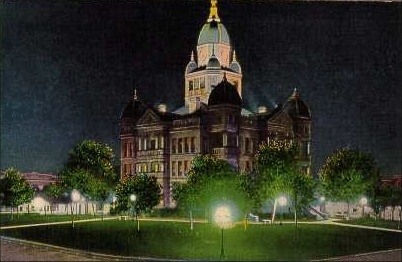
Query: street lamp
(75, 197)
(282, 201)
(133, 199)
(223, 218)
(363, 202)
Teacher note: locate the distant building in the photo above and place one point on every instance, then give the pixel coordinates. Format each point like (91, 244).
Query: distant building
(212, 120)
(391, 180)
(38, 180)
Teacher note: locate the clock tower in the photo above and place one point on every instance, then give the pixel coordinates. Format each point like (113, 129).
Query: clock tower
(215, 58)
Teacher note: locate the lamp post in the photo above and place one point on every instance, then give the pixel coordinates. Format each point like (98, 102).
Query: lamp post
(133, 199)
(282, 201)
(222, 218)
(75, 197)
(322, 204)
(363, 202)
(114, 199)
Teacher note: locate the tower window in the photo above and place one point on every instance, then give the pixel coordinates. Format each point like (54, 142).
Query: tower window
(190, 85)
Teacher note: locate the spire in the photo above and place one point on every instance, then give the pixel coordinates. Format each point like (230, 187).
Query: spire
(213, 12)
(234, 56)
(192, 56)
(295, 93)
(135, 94)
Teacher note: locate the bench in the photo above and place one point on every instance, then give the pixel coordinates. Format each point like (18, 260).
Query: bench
(266, 221)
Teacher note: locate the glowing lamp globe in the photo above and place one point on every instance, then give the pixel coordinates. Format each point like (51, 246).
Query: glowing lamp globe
(75, 195)
(363, 201)
(282, 201)
(223, 217)
(133, 198)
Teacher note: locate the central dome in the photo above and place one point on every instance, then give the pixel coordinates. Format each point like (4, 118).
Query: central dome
(224, 93)
(213, 32)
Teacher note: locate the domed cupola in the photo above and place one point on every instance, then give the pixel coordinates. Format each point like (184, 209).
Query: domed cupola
(213, 62)
(234, 65)
(213, 30)
(192, 65)
(224, 93)
(295, 107)
(135, 109)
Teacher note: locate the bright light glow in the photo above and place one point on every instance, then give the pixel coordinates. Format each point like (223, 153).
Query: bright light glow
(223, 217)
(322, 199)
(282, 201)
(75, 195)
(363, 201)
(114, 199)
(133, 197)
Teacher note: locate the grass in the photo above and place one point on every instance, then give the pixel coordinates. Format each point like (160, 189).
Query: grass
(176, 240)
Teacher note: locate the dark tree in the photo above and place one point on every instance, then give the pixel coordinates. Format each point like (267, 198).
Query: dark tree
(144, 187)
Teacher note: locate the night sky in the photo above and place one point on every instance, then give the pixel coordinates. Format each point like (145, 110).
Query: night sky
(69, 69)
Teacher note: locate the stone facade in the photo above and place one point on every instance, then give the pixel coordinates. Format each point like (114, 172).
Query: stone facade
(212, 121)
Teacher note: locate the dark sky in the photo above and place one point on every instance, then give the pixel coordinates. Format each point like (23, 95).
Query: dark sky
(69, 69)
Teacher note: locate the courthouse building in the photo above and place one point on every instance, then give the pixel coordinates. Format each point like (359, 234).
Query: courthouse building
(213, 119)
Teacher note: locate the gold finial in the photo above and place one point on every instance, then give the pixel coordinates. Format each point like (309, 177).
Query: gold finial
(192, 56)
(234, 56)
(213, 12)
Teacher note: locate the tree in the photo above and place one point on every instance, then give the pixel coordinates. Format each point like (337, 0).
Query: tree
(15, 189)
(89, 169)
(94, 157)
(210, 180)
(146, 189)
(277, 173)
(53, 191)
(347, 175)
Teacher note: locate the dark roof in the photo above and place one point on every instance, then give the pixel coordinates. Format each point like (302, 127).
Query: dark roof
(295, 107)
(135, 109)
(224, 93)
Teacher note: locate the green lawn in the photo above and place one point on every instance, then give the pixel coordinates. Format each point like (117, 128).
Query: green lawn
(176, 240)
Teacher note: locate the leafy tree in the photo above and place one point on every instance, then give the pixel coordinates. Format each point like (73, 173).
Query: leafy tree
(94, 157)
(146, 189)
(210, 180)
(89, 169)
(53, 191)
(277, 173)
(15, 189)
(348, 174)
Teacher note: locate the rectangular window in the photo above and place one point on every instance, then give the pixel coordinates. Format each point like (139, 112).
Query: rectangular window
(190, 85)
(180, 146)
(202, 83)
(180, 168)
(192, 145)
(173, 168)
(186, 149)
(174, 146)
